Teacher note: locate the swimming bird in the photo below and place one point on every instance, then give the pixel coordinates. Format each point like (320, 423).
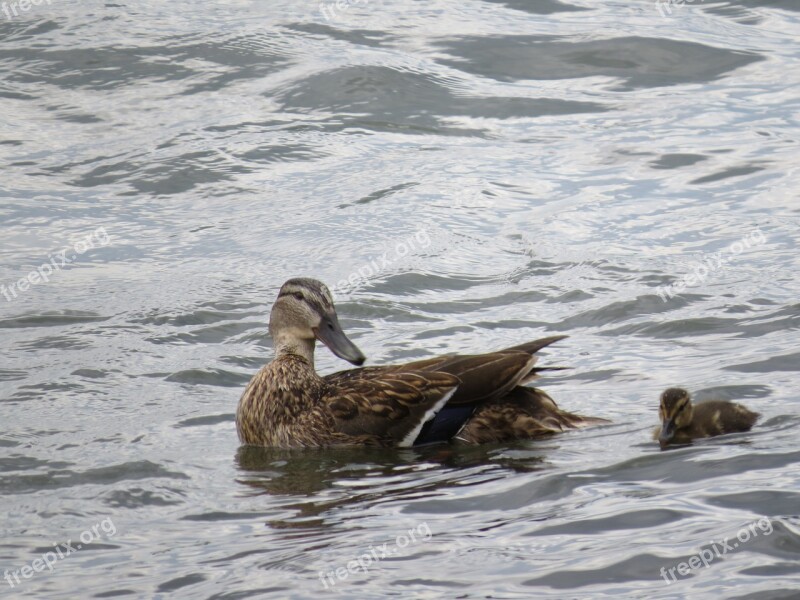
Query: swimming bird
(465, 398)
(682, 421)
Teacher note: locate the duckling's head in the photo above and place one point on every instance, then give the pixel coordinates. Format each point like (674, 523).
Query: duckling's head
(303, 312)
(675, 411)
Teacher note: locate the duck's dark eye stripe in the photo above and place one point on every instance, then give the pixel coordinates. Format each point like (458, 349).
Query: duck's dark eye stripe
(296, 295)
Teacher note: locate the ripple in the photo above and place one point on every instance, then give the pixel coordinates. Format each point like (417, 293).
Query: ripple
(564, 159)
(640, 62)
(412, 102)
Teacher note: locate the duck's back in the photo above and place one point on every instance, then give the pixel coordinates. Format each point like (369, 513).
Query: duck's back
(715, 417)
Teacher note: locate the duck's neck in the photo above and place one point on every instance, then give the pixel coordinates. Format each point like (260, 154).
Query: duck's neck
(278, 395)
(289, 345)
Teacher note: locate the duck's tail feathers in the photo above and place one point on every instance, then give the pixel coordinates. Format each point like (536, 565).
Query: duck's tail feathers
(533, 375)
(534, 346)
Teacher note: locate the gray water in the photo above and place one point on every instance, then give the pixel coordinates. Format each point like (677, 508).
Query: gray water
(468, 174)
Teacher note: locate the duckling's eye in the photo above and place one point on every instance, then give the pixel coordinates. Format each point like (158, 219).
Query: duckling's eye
(298, 296)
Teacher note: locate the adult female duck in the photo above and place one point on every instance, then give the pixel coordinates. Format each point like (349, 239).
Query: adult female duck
(473, 399)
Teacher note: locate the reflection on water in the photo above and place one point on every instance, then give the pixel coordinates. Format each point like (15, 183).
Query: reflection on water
(566, 162)
(306, 472)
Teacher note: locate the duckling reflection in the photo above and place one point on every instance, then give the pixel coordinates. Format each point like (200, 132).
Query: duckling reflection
(682, 421)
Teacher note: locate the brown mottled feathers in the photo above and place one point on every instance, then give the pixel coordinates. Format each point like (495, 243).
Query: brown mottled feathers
(287, 404)
(483, 377)
(525, 413)
(387, 403)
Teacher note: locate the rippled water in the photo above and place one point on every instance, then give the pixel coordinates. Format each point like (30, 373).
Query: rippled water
(483, 172)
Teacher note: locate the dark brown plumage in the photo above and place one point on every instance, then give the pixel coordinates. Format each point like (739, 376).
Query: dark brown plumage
(682, 421)
(469, 398)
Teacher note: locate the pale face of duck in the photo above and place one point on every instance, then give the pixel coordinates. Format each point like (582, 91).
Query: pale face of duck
(676, 412)
(303, 312)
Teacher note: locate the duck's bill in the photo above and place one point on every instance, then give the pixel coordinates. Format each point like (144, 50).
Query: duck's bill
(667, 431)
(330, 333)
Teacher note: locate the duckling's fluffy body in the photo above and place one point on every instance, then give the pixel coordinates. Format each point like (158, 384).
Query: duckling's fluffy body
(683, 421)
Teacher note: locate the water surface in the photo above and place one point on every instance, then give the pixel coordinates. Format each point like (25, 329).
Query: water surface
(468, 175)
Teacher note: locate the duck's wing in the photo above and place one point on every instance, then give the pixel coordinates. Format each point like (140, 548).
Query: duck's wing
(487, 377)
(388, 403)
(480, 379)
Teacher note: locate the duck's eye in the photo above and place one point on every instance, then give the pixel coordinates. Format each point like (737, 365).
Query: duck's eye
(298, 296)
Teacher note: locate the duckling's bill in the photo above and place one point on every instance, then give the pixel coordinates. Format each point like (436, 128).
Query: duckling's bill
(667, 432)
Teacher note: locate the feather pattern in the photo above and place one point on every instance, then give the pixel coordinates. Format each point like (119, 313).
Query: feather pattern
(468, 398)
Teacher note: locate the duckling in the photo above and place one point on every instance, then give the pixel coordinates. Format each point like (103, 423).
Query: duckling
(682, 421)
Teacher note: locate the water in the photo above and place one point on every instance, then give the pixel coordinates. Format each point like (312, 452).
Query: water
(469, 175)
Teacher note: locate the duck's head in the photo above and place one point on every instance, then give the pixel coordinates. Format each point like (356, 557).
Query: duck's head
(304, 312)
(675, 411)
